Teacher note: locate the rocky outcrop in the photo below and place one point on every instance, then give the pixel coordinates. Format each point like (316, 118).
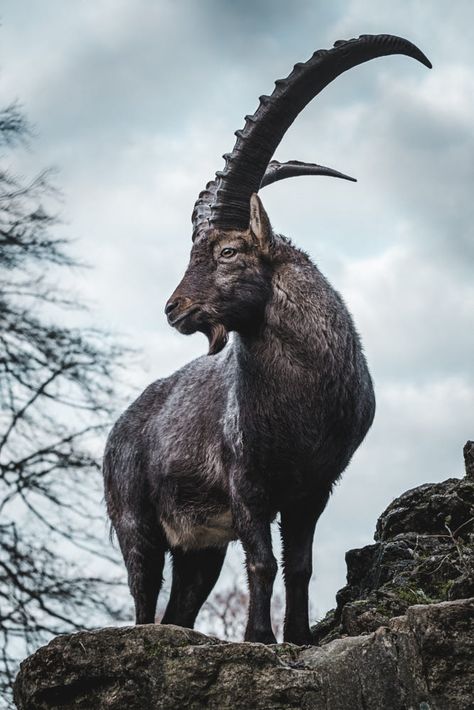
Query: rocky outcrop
(421, 660)
(423, 554)
(380, 648)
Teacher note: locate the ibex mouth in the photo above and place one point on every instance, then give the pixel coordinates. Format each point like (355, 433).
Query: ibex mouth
(175, 322)
(186, 325)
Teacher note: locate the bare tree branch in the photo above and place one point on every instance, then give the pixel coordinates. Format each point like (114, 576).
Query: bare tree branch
(57, 387)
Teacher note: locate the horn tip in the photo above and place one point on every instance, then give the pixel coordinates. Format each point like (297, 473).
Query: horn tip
(422, 58)
(411, 49)
(349, 178)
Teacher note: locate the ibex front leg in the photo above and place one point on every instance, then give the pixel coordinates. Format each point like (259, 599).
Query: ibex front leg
(252, 522)
(297, 531)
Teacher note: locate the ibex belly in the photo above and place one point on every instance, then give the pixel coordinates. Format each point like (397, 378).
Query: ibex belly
(188, 534)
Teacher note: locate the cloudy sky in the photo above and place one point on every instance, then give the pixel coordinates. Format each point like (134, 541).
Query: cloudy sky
(136, 100)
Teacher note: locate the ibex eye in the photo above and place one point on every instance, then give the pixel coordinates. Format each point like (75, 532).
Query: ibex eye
(228, 252)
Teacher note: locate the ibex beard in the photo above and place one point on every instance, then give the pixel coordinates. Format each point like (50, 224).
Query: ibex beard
(262, 426)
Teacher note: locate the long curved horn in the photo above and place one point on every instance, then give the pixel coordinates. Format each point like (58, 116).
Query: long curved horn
(294, 168)
(201, 217)
(227, 207)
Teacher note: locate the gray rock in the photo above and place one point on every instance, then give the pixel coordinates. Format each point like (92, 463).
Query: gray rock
(468, 452)
(392, 643)
(423, 554)
(422, 660)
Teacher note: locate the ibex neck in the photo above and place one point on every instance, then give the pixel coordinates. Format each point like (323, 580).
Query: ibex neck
(305, 321)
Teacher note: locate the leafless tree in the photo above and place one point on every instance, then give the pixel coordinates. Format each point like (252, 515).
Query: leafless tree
(55, 398)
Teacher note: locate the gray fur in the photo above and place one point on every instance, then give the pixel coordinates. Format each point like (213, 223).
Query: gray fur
(291, 401)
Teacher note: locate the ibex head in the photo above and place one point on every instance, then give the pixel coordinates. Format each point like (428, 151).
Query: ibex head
(228, 280)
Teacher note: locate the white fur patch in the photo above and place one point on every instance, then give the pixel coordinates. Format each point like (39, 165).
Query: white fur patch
(186, 534)
(231, 423)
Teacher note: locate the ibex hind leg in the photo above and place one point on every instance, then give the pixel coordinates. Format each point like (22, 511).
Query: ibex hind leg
(143, 547)
(194, 575)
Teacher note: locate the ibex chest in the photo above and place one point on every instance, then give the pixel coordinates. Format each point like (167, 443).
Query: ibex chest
(186, 532)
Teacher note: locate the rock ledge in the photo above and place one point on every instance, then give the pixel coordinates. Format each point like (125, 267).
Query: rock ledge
(421, 660)
(400, 638)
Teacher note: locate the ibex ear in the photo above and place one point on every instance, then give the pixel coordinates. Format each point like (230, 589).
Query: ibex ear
(259, 223)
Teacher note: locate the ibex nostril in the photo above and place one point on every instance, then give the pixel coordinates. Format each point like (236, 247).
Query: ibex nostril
(170, 306)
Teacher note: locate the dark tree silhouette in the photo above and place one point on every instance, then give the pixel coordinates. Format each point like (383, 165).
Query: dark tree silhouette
(56, 392)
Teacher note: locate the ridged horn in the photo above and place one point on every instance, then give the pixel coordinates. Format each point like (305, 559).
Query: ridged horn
(294, 168)
(275, 171)
(201, 217)
(227, 204)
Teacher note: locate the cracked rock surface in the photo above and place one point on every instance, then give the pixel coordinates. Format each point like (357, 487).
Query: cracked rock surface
(422, 660)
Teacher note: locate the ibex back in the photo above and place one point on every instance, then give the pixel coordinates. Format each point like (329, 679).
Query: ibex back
(263, 426)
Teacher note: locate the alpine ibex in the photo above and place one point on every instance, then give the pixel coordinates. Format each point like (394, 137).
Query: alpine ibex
(267, 424)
